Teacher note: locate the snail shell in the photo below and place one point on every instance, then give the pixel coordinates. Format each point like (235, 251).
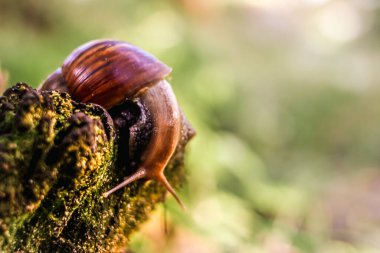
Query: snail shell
(105, 72)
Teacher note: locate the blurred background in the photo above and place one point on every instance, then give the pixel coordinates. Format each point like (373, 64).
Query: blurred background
(284, 95)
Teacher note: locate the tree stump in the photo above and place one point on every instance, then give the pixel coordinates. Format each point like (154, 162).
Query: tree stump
(57, 158)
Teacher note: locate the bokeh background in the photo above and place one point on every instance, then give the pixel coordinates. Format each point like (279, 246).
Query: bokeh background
(284, 95)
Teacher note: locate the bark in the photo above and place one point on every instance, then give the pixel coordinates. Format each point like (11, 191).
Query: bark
(57, 158)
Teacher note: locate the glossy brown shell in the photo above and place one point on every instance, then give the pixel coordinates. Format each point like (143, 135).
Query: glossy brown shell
(106, 72)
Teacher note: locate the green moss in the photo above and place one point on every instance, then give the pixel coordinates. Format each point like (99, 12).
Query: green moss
(57, 158)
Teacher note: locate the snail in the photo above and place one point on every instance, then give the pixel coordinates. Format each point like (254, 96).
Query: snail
(107, 72)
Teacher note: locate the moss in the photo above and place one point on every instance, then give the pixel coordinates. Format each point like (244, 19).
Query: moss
(57, 158)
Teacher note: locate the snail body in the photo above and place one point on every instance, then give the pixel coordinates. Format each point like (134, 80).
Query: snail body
(107, 72)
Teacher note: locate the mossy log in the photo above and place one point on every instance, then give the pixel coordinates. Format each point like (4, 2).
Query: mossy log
(57, 158)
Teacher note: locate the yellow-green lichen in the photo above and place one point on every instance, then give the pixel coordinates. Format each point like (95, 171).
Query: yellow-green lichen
(57, 158)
